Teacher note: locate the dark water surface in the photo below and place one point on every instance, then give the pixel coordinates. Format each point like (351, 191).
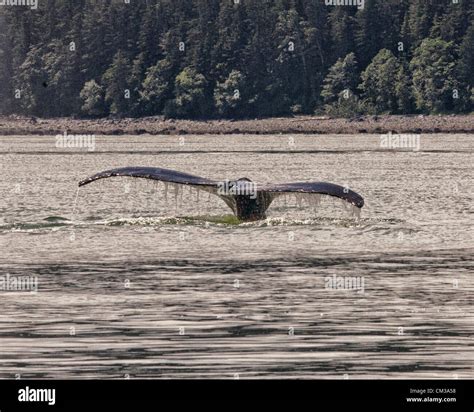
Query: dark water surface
(135, 283)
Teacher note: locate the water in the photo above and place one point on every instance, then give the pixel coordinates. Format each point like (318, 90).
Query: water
(133, 283)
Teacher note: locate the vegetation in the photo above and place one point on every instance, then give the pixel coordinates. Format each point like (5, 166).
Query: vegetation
(236, 58)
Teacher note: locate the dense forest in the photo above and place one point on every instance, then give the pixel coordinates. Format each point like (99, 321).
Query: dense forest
(236, 58)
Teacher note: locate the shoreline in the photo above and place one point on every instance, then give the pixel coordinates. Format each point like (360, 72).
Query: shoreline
(23, 125)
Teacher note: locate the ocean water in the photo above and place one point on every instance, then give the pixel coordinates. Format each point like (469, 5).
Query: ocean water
(134, 281)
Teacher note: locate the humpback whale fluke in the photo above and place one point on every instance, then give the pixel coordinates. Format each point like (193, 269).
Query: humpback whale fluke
(247, 201)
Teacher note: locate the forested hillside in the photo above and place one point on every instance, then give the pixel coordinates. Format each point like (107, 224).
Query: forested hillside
(236, 58)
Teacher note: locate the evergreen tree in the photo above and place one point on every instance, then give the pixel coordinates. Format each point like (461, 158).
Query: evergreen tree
(117, 87)
(157, 88)
(343, 76)
(378, 26)
(339, 90)
(417, 22)
(231, 40)
(403, 90)
(61, 63)
(230, 96)
(465, 67)
(31, 83)
(92, 95)
(6, 92)
(341, 35)
(434, 83)
(383, 84)
(190, 95)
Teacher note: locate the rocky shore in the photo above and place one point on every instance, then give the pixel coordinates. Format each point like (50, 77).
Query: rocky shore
(18, 125)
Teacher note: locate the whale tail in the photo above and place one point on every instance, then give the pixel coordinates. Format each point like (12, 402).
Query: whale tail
(247, 201)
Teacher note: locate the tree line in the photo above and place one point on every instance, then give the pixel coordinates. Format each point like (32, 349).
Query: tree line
(236, 58)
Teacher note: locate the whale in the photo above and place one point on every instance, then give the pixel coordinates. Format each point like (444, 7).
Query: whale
(247, 200)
